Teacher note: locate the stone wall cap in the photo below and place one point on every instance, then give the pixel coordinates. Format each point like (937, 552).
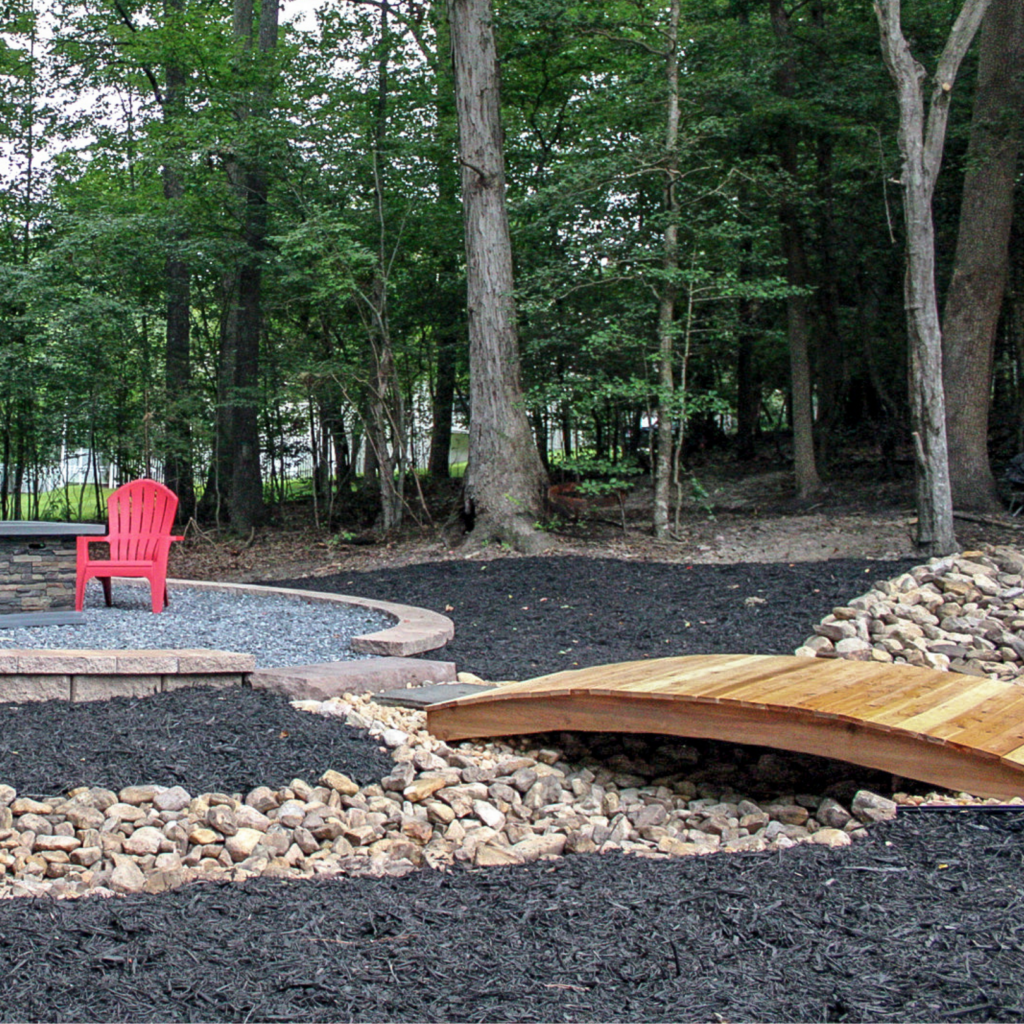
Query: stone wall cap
(82, 662)
(34, 528)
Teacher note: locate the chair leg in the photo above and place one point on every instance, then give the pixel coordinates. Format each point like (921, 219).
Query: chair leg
(158, 596)
(107, 593)
(80, 582)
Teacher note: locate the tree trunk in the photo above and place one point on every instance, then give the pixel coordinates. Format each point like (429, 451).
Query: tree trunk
(385, 429)
(980, 266)
(667, 301)
(178, 467)
(238, 475)
(385, 426)
(245, 501)
(832, 373)
(443, 401)
(504, 483)
(921, 147)
(449, 325)
(805, 467)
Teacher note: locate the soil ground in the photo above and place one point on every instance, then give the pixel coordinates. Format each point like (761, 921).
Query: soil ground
(921, 922)
(748, 518)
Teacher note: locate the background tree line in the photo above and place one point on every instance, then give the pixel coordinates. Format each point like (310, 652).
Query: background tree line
(223, 238)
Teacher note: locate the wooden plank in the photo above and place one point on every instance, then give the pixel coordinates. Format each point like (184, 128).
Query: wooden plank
(625, 674)
(887, 690)
(772, 678)
(1002, 732)
(921, 700)
(706, 675)
(988, 719)
(823, 678)
(952, 706)
(711, 682)
(663, 671)
(856, 695)
(668, 676)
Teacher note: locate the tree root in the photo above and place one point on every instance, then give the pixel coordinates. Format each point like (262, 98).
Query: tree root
(518, 534)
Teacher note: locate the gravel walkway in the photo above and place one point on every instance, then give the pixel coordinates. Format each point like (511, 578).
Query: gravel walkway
(278, 631)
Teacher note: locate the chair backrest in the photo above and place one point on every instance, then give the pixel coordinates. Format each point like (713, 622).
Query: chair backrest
(140, 515)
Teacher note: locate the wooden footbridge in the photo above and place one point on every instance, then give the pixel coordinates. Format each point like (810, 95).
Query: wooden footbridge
(957, 731)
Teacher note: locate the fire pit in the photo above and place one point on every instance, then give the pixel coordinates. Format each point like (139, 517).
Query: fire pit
(37, 572)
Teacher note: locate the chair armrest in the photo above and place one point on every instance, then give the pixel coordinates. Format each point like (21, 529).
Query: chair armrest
(83, 541)
(177, 538)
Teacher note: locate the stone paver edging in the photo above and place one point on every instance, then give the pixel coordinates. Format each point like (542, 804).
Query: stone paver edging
(417, 629)
(81, 675)
(96, 675)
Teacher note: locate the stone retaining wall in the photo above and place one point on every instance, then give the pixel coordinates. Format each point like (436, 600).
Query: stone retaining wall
(96, 675)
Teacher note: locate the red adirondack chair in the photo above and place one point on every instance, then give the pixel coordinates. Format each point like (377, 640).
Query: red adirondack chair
(140, 516)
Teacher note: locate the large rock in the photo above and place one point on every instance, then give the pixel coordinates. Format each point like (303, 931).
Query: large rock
(423, 787)
(870, 807)
(242, 843)
(143, 841)
(534, 847)
(173, 799)
(832, 837)
(546, 790)
(127, 876)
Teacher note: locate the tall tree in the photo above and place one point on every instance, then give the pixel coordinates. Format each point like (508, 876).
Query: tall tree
(981, 263)
(385, 424)
(797, 273)
(921, 145)
(448, 295)
(237, 478)
(178, 468)
(504, 482)
(669, 291)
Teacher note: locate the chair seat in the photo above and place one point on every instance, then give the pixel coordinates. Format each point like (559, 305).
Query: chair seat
(120, 563)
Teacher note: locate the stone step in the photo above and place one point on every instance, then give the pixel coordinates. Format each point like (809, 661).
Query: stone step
(420, 697)
(334, 678)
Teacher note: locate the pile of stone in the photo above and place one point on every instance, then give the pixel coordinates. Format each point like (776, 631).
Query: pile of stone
(480, 804)
(962, 613)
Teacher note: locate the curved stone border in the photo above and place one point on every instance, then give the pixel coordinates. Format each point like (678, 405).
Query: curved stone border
(416, 631)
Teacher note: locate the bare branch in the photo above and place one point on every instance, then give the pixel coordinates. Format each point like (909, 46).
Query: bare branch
(961, 35)
(486, 177)
(146, 69)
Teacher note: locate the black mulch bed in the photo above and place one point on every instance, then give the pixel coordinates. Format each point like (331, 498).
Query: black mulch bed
(517, 618)
(925, 929)
(203, 740)
(922, 921)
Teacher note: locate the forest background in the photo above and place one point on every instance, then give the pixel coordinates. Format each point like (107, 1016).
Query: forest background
(226, 241)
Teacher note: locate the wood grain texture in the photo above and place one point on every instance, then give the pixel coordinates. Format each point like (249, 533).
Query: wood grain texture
(960, 732)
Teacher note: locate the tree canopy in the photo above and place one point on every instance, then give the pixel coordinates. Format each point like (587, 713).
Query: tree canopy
(232, 252)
